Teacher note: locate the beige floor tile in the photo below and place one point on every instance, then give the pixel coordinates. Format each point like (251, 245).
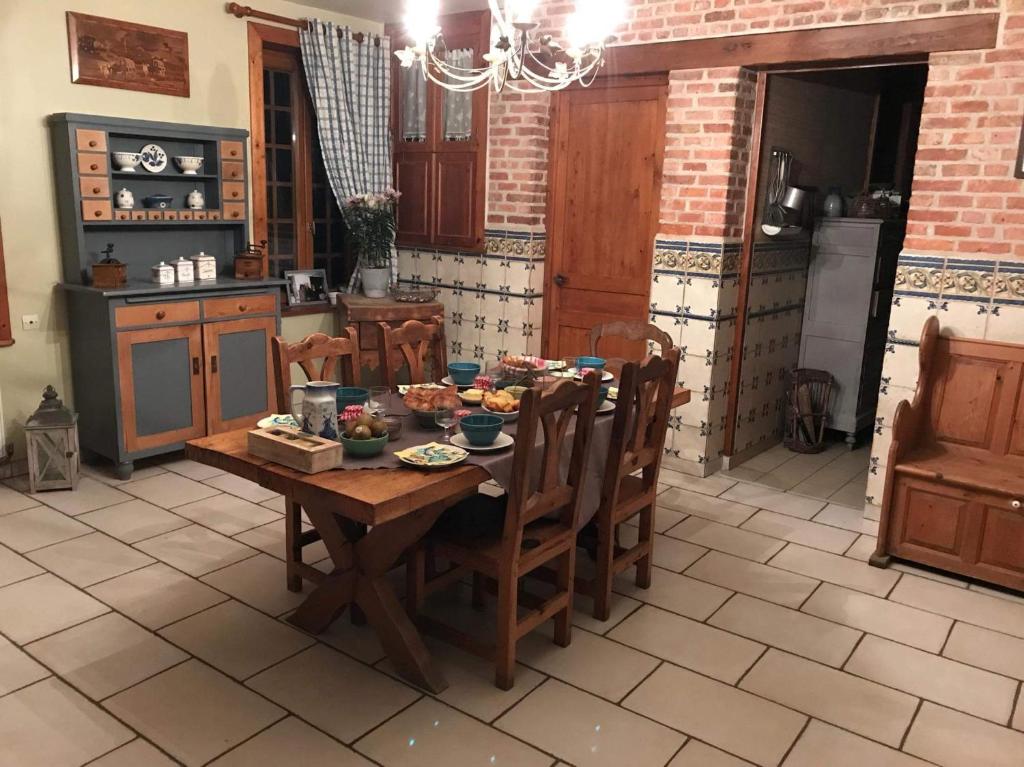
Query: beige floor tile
(986, 649)
(847, 518)
(731, 540)
(17, 669)
(360, 642)
(723, 716)
(862, 549)
(932, 575)
(243, 488)
(992, 591)
(757, 580)
(769, 459)
(669, 553)
(227, 514)
(584, 729)
(742, 473)
(138, 753)
(1018, 717)
(962, 604)
(156, 595)
(196, 550)
(14, 567)
(697, 754)
(277, 503)
(107, 473)
(716, 484)
(622, 668)
(787, 629)
(11, 500)
(41, 526)
(947, 682)
(333, 692)
(800, 531)
(854, 704)
(835, 569)
(687, 643)
(583, 612)
(133, 521)
(51, 725)
(822, 744)
(429, 733)
(270, 539)
(952, 739)
(879, 616)
(664, 518)
(677, 593)
(105, 655)
(259, 581)
(291, 742)
(764, 498)
(192, 469)
(193, 712)
(169, 490)
(89, 496)
(853, 493)
(90, 559)
(716, 509)
(236, 639)
(43, 605)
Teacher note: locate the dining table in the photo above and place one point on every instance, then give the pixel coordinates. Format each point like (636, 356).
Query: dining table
(368, 518)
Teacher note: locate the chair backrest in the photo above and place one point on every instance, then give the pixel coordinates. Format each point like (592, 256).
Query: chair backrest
(641, 422)
(539, 486)
(317, 355)
(412, 345)
(631, 331)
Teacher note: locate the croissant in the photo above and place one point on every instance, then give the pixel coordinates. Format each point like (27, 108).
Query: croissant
(429, 400)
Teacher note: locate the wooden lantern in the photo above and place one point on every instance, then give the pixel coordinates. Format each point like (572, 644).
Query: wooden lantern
(51, 434)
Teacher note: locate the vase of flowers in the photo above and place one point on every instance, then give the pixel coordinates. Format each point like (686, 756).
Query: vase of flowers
(371, 222)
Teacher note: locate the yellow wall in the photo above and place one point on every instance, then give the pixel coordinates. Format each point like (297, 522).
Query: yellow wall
(35, 82)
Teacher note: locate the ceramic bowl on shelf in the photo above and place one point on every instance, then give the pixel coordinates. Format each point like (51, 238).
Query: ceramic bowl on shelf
(188, 164)
(127, 162)
(157, 201)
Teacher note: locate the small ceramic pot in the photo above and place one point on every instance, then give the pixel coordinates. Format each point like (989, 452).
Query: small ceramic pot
(127, 162)
(195, 200)
(189, 165)
(125, 199)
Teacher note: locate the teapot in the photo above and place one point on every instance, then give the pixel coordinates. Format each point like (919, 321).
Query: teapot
(125, 199)
(319, 408)
(195, 200)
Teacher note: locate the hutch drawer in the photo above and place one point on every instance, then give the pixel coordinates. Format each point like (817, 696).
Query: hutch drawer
(91, 164)
(122, 215)
(170, 215)
(232, 171)
(231, 150)
(233, 190)
(94, 186)
(96, 210)
(90, 140)
(234, 211)
(214, 215)
(154, 215)
(242, 306)
(156, 314)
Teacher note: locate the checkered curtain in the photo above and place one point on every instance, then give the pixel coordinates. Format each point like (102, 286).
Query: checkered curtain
(350, 86)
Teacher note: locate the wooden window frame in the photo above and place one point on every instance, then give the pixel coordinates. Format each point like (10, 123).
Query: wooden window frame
(6, 334)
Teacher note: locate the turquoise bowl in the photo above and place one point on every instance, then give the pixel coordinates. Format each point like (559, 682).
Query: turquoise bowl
(463, 373)
(481, 429)
(363, 448)
(602, 395)
(597, 363)
(351, 395)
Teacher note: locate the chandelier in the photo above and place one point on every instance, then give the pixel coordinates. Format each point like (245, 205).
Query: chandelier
(519, 58)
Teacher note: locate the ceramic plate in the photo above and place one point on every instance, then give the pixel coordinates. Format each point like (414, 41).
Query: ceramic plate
(447, 381)
(606, 407)
(154, 158)
(277, 420)
(468, 401)
(503, 441)
(403, 389)
(605, 376)
(432, 456)
(506, 417)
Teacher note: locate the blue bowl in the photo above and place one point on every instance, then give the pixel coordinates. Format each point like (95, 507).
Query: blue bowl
(602, 395)
(463, 373)
(597, 363)
(481, 429)
(351, 395)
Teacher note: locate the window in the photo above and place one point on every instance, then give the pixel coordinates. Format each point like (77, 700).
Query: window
(294, 208)
(441, 144)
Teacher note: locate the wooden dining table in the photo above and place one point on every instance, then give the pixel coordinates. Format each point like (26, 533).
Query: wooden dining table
(367, 519)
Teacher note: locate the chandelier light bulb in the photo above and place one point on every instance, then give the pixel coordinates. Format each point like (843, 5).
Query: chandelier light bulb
(421, 19)
(521, 11)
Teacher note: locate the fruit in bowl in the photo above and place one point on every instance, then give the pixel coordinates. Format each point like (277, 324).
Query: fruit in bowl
(502, 404)
(364, 436)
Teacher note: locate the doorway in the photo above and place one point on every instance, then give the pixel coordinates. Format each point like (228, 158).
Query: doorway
(833, 181)
(606, 153)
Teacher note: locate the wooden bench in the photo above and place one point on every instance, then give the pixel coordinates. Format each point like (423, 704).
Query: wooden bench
(954, 484)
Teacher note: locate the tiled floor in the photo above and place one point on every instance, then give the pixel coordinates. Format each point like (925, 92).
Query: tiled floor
(141, 624)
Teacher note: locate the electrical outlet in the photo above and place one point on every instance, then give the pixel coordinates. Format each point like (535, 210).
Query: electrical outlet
(30, 322)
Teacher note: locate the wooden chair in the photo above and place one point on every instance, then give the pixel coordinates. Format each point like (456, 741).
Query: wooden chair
(412, 345)
(329, 352)
(636, 446)
(631, 331)
(502, 540)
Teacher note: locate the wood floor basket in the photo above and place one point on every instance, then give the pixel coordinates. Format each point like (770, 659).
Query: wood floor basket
(807, 409)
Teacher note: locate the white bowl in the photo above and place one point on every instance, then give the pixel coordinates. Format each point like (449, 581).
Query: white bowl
(506, 417)
(189, 165)
(127, 162)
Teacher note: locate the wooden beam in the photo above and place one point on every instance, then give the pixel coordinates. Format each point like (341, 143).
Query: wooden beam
(889, 40)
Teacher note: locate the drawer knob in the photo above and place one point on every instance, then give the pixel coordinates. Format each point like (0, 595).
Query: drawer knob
(98, 213)
(95, 190)
(161, 314)
(234, 214)
(234, 194)
(234, 153)
(92, 143)
(1015, 504)
(94, 166)
(242, 307)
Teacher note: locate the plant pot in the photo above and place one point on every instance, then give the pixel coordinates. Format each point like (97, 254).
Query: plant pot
(375, 282)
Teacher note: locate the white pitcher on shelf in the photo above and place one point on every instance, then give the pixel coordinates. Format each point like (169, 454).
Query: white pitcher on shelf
(125, 199)
(195, 200)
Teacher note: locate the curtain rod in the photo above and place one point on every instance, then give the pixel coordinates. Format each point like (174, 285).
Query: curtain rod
(241, 11)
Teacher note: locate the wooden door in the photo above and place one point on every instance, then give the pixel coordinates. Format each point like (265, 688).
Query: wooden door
(160, 371)
(997, 553)
(239, 372)
(607, 148)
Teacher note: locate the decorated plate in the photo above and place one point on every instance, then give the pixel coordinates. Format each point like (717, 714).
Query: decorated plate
(277, 420)
(447, 381)
(432, 456)
(503, 441)
(154, 158)
(606, 407)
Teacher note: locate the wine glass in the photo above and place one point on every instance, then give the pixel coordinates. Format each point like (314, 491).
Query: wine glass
(445, 418)
(380, 400)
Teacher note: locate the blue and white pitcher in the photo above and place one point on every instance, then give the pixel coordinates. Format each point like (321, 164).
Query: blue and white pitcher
(319, 408)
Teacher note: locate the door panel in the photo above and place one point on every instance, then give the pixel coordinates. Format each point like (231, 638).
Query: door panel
(161, 381)
(1000, 541)
(239, 382)
(607, 147)
(455, 188)
(931, 523)
(412, 177)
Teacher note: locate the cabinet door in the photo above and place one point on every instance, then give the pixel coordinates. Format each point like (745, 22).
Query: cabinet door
(931, 523)
(997, 551)
(161, 376)
(412, 178)
(239, 372)
(457, 193)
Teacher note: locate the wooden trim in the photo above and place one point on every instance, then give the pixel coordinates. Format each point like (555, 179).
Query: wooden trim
(977, 31)
(6, 334)
(746, 260)
(211, 350)
(241, 11)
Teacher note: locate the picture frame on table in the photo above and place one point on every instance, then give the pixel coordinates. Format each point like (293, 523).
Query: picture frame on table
(306, 287)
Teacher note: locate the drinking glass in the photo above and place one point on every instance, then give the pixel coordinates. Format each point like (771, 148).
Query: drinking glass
(568, 366)
(380, 400)
(445, 418)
